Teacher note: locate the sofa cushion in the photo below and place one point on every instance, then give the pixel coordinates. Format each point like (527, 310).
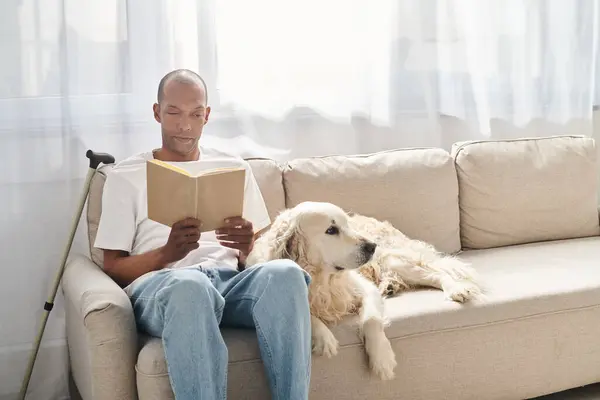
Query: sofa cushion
(540, 299)
(520, 281)
(416, 190)
(527, 190)
(268, 175)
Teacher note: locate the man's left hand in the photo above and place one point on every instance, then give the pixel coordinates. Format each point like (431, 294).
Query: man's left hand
(237, 233)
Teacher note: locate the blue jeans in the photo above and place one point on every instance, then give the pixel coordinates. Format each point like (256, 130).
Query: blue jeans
(186, 308)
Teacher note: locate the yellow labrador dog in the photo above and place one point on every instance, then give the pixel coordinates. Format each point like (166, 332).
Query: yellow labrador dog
(353, 261)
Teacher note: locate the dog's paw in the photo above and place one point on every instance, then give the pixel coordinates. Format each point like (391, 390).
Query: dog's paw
(462, 291)
(325, 344)
(387, 290)
(391, 287)
(382, 360)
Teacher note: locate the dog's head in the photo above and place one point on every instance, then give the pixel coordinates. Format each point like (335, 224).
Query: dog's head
(317, 235)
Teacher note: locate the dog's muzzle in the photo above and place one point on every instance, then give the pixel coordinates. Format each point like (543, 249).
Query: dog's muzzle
(367, 249)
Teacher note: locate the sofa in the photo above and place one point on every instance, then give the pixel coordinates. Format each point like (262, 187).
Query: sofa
(523, 213)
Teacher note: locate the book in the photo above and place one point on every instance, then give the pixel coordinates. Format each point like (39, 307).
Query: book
(211, 195)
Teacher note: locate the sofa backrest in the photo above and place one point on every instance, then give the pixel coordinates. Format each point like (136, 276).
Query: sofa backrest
(485, 194)
(527, 190)
(416, 190)
(268, 175)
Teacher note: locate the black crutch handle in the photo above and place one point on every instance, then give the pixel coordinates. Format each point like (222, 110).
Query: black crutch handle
(97, 158)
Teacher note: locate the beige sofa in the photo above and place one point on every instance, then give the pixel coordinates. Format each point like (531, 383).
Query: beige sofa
(523, 212)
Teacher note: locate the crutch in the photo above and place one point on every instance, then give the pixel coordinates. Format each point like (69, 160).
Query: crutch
(95, 160)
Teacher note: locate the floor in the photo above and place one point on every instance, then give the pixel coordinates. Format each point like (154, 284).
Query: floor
(591, 392)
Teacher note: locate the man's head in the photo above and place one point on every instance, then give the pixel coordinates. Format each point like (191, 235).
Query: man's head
(182, 110)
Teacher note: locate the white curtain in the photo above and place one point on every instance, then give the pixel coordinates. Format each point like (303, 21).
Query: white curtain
(286, 78)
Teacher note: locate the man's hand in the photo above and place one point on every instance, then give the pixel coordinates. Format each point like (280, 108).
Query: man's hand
(183, 238)
(237, 233)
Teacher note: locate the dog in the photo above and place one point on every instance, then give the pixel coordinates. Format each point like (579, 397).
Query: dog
(354, 262)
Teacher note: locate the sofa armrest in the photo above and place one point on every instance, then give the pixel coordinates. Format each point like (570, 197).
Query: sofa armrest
(101, 333)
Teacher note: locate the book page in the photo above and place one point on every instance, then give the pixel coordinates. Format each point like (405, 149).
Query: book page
(172, 166)
(171, 194)
(202, 167)
(210, 190)
(220, 196)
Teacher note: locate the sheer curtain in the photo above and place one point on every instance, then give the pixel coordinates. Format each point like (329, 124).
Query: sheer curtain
(286, 79)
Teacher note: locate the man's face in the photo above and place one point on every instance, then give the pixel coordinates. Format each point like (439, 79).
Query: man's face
(182, 114)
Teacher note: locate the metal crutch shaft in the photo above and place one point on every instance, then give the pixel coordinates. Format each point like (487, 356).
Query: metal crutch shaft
(95, 160)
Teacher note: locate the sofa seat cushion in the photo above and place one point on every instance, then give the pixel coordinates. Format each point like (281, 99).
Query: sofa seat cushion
(529, 287)
(416, 190)
(246, 378)
(521, 281)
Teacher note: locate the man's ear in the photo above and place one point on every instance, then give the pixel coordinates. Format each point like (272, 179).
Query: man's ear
(156, 109)
(206, 114)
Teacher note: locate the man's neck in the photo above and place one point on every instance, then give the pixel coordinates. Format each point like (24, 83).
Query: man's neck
(166, 155)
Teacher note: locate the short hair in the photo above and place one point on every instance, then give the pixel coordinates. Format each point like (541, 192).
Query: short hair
(183, 76)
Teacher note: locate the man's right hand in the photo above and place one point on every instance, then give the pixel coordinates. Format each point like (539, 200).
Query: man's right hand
(125, 268)
(183, 238)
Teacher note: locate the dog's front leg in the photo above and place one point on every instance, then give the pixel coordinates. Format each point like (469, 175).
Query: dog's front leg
(372, 320)
(324, 342)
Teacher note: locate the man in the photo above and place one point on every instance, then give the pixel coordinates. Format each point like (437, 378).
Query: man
(183, 285)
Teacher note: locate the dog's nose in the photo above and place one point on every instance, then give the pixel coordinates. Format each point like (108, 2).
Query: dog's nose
(369, 247)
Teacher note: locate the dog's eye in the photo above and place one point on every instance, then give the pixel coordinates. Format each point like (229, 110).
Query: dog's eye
(332, 230)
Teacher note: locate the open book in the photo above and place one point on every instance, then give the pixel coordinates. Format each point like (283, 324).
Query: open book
(210, 195)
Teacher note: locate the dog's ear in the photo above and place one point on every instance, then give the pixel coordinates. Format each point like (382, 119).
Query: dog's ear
(282, 235)
(295, 244)
(282, 240)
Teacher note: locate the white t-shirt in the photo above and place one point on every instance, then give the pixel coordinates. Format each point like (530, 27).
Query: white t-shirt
(124, 223)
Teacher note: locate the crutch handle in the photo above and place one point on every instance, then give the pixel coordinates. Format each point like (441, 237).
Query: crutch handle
(97, 158)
